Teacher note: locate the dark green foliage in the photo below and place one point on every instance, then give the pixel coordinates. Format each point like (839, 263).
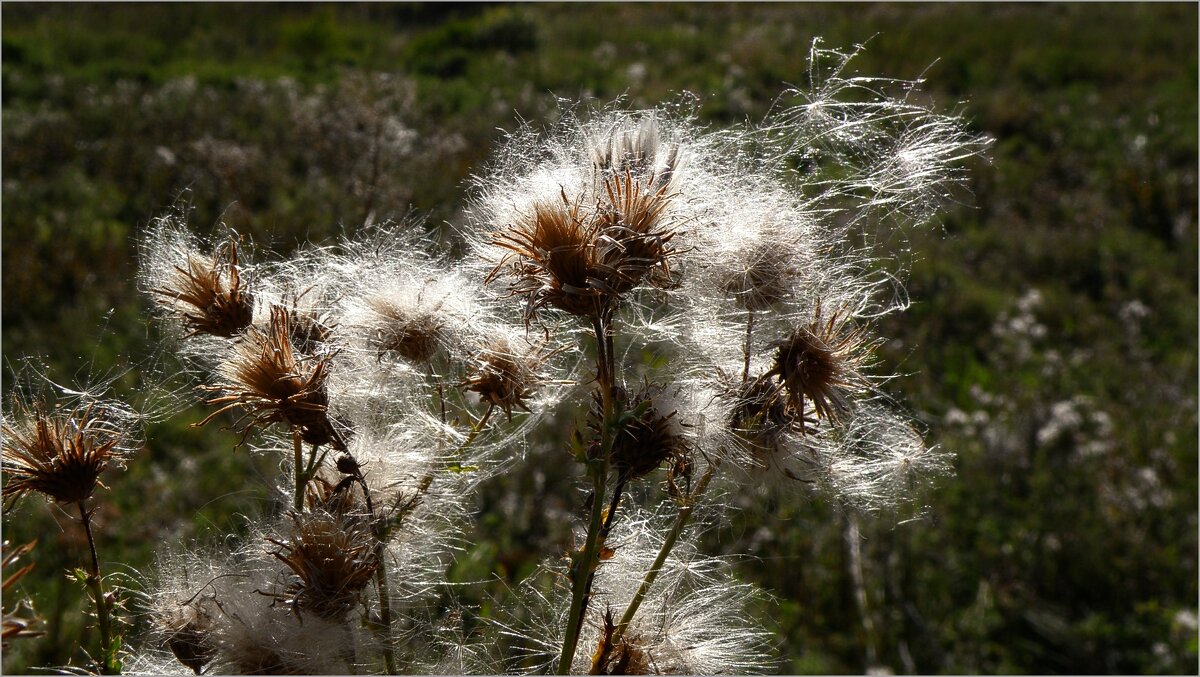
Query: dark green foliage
(1051, 345)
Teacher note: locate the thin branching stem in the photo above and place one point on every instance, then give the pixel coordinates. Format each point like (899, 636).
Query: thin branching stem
(297, 454)
(95, 584)
(749, 336)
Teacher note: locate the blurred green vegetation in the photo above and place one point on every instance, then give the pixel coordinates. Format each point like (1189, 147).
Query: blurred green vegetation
(1052, 342)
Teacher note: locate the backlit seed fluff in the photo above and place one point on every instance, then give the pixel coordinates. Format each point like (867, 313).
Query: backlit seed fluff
(505, 373)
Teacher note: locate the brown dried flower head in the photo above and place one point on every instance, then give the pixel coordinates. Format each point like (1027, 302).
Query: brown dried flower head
(59, 453)
(210, 295)
(584, 259)
(413, 334)
(331, 559)
(270, 385)
(821, 362)
(635, 239)
(16, 623)
(505, 376)
(645, 442)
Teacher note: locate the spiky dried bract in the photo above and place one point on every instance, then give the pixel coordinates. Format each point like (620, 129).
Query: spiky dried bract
(646, 441)
(332, 559)
(208, 295)
(506, 373)
(60, 452)
(20, 619)
(626, 656)
(821, 362)
(263, 377)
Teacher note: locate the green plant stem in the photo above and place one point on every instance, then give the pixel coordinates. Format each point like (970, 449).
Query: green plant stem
(585, 562)
(474, 432)
(301, 481)
(96, 587)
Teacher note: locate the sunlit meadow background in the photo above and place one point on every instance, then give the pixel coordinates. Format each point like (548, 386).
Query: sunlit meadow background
(1052, 341)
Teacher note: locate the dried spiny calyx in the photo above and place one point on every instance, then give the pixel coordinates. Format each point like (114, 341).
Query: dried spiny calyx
(309, 332)
(504, 376)
(820, 362)
(410, 333)
(635, 241)
(582, 260)
(16, 623)
(210, 295)
(59, 453)
(646, 440)
(763, 281)
(553, 259)
(332, 558)
(264, 378)
(189, 636)
(624, 657)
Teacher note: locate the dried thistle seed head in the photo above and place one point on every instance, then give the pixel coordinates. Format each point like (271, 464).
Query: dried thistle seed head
(624, 657)
(644, 443)
(210, 296)
(188, 631)
(504, 375)
(59, 453)
(763, 281)
(331, 559)
(553, 260)
(821, 361)
(412, 333)
(19, 619)
(264, 379)
(634, 235)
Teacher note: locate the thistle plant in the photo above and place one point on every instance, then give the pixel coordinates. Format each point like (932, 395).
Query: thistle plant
(703, 310)
(60, 450)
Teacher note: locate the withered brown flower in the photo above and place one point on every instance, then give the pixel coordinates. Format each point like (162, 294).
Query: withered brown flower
(821, 362)
(584, 259)
(16, 623)
(210, 295)
(634, 243)
(266, 380)
(646, 441)
(332, 558)
(504, 375)
(59, 453)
